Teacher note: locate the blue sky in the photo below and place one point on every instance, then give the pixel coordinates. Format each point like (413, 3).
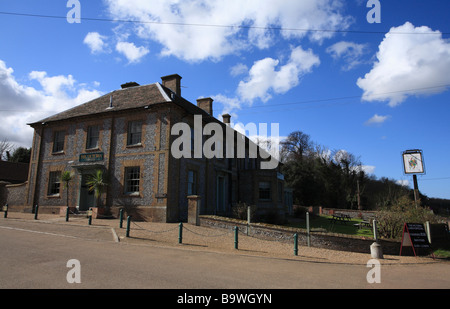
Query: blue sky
(372, 89)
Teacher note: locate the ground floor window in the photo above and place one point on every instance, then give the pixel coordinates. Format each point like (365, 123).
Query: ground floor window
(54, 183)
(192, 183)
(280, 191)
(265, 190)
(132, 179)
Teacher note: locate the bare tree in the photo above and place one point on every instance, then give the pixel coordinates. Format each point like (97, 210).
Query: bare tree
(297, 145)
(5, 147)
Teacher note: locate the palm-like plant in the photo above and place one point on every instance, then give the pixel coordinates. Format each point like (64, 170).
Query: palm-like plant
(97, 184)
(66, 178)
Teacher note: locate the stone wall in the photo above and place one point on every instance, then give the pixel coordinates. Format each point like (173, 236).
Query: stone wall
(332, 241)
(3, 196)
(353, 213)
(15, 196)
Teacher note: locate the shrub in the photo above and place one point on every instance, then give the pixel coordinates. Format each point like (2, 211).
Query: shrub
(239, 211)
(390, 221)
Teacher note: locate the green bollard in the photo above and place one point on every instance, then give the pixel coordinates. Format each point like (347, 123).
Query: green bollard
(36, 210)
(128, 226)
(180, 233)
(5, 208)
(308, 230)
(121, 217)
(90, 216)
(67, 214)
(236, 241)
(295, 244)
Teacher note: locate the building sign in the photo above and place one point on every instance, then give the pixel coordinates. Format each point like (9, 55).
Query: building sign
(91, 157)
(413, 162)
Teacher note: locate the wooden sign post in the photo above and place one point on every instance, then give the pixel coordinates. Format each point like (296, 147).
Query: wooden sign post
(413, 164)
(414, 235)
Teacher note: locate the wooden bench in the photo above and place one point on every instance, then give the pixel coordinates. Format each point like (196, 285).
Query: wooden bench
(363, 224)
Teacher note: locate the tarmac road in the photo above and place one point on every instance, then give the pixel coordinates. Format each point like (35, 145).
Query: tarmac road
(35, 255)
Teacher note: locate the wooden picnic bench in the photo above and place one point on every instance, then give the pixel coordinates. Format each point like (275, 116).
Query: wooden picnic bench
(363, 224)
(341, 218)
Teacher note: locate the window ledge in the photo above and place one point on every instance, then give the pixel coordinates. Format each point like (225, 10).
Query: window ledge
(135, 145)
(92, 149)
(54, 196)
(134, 194)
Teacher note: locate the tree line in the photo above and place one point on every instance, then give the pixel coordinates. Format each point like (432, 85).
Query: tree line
(335, 178)
(11, 154)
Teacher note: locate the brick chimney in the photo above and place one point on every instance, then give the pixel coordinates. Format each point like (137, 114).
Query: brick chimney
(206, 104)
(173, 82)
(129, 85)
(226, 119)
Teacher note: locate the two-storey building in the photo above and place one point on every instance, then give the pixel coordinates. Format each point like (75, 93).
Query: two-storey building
(127, 135)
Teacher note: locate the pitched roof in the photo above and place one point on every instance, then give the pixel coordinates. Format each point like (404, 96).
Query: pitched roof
(131, 98)
(118, 100)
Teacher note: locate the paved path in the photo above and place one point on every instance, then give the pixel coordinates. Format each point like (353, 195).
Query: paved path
(35, 255)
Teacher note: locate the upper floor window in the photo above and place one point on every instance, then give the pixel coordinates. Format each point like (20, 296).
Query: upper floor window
(58, 141)
(134, 133)
(92, 137)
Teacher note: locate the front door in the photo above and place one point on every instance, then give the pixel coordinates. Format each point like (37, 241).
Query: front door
(87, 198)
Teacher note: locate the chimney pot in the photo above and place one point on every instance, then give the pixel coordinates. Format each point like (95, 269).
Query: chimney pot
(173, 82)
(226, 118)
(206, 104)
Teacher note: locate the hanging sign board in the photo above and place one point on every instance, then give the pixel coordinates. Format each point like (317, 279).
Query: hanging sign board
(413, 162)
(414, 236)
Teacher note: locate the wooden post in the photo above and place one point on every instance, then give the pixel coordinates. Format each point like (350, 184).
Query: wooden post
(416, 190)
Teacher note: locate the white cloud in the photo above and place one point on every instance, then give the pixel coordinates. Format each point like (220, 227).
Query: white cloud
(21, 104)
(197, 30)
(54, 85)
(368, 169)
(403, 182)
(96, 42)
(229, 104)
(260, 80)
(133, 53)
(376, 119)
(350, 52)
(264, 78)
(238, 69)
(407, 65)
